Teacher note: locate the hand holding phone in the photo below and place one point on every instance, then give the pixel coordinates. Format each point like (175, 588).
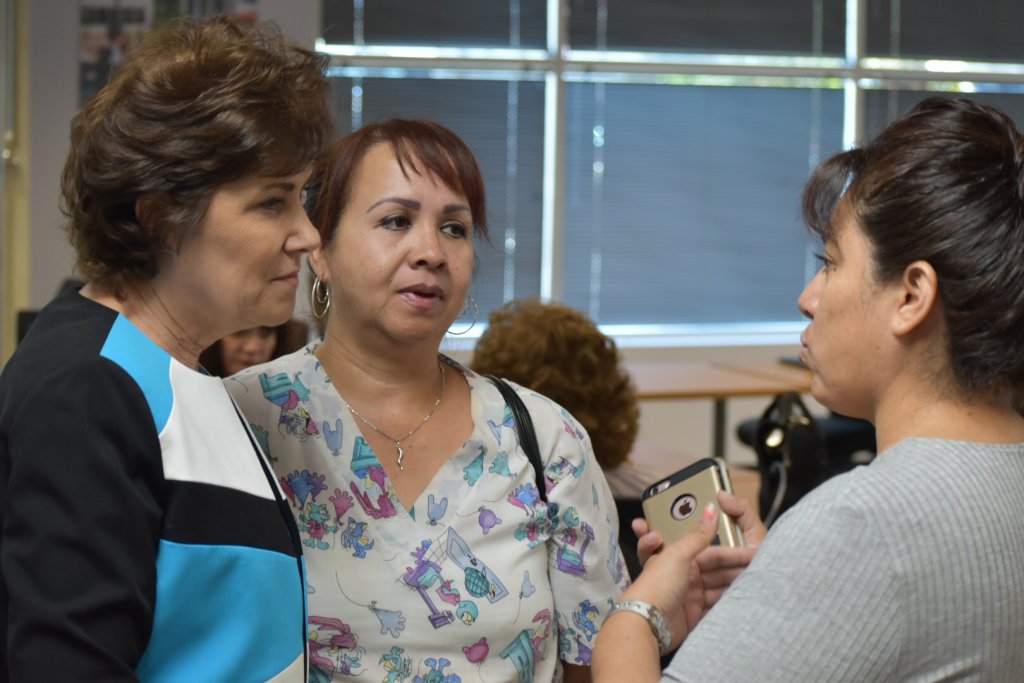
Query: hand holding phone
(673, 505)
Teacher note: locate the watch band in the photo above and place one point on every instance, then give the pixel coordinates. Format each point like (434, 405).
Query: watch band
(653, 616)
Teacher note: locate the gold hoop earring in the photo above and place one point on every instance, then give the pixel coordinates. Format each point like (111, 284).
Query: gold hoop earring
(319, 295)
(465, 308)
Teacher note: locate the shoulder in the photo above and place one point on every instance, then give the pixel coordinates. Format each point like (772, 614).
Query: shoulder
(80, 353)
(259, 378)
(539, 405)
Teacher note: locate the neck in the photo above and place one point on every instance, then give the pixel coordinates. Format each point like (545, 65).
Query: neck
(362, 375)
(981, 420)
(148, 311)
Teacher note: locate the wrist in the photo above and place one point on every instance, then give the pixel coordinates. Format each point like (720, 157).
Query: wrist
(653, 616)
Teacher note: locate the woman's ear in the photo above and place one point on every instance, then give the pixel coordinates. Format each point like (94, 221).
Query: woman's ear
(919, 295)
(319, 265)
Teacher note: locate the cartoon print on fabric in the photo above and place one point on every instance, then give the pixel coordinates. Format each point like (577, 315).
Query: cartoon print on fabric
(316, 523)
(525, 497)
(569, 637)
(570, 425)
(474, 470)
(342, 503)
(436, 672)
(480, 580)
(500, 465)
(289, 395)
(496, 575)
(435, 511)
(332, 648)
(477, 652)
(376, 496)
(585, 618)
(615, 563)
(354, 538)
(426, 574)
(263, 439)
(332, 437)
(506, 421)
(570, 560)
(467, 612)
(448, 593)
(529, 647)
(391, 622)
(561, 468)
(527, 589)
(487, 519)
(398, 668)
(423, 575)
(541, 524)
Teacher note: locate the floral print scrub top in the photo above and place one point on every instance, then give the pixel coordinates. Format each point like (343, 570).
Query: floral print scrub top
(480, 580)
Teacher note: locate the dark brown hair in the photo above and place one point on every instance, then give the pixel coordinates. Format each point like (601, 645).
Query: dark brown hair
(943, 184)
(440, 152)
(198, 104)
(560, 353)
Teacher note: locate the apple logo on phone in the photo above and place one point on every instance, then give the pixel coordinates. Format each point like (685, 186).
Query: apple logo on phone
(683, 506)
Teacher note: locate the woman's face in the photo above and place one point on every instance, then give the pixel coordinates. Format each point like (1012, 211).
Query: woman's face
(244, 349)
(240, 269)
(843, 344)
(400, 263)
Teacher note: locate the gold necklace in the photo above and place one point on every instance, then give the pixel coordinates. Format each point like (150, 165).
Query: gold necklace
(398, 442)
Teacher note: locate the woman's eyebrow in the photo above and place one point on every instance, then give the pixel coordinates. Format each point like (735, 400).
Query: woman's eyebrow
(407, 203)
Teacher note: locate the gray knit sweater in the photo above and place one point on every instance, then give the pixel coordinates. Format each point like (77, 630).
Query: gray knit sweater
(909, 569)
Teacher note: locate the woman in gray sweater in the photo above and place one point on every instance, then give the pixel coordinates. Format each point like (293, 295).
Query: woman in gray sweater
(912, 568)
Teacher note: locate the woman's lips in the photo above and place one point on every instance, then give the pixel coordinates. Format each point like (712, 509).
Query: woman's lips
(289, 279)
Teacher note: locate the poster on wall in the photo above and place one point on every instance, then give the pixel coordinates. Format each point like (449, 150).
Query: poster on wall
(107, 32)
(109, 29)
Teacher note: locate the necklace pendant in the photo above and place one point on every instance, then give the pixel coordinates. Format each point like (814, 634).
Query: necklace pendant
(401, 454)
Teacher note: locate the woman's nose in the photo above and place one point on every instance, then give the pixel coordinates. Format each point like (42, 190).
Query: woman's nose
(250, 344)
(304, 237)
(808, 300)
(428, 250)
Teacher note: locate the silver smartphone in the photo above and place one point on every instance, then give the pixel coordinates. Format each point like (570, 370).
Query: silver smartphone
(675, 504)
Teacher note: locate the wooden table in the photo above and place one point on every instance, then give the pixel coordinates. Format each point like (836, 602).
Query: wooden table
(718, 381)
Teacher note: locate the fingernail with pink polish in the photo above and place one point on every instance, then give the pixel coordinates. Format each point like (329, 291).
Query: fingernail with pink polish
(709, 512)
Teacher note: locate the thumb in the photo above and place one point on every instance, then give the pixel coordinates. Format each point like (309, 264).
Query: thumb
(708, 526)
(700, 537)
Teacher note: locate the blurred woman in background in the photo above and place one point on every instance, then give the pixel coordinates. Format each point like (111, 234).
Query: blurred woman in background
(253, 346)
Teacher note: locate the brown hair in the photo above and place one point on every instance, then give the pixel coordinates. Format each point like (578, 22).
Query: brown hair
(560, 353)
(943, 184)
(198, 104)
(440, 152)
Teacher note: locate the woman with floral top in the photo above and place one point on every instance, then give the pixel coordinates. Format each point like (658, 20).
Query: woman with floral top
(432, 554)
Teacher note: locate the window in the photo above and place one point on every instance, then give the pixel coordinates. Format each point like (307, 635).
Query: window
(644, 158)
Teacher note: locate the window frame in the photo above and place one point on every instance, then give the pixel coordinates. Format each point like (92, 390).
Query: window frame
(855, 73)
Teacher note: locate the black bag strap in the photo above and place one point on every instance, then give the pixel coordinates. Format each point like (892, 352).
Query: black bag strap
(524, 428)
